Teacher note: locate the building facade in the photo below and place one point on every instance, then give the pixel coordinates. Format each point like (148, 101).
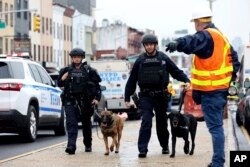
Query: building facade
(7, 26)
(118, 39)
(61, 27)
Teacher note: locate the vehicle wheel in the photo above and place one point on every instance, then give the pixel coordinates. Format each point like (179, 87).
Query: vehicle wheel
(60, 130)
(29, 133)
(238, 118)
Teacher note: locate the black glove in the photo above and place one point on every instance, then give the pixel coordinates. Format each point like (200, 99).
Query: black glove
(172, 46)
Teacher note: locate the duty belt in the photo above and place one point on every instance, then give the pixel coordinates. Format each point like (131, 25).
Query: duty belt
(152, 93)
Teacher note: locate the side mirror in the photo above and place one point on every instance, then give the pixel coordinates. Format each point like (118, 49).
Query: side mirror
(103, 88)
(246, 84)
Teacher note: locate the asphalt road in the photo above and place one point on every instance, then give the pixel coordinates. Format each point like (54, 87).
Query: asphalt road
(12, 145)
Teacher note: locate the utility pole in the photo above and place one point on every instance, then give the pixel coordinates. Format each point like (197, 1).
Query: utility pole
(211, 3)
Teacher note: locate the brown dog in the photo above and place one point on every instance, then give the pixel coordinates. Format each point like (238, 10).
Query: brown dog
(112, 126)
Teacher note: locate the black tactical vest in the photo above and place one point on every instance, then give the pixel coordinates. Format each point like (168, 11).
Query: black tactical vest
(152, 73)
(77, 81)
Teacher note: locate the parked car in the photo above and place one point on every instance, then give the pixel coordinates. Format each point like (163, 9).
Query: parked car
(243, 111)
(54, 77)
(29, 99)
(190, 107)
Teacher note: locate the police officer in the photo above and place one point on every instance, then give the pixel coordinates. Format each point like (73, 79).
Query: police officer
(81, 92)
(151, 70)
(215, 64)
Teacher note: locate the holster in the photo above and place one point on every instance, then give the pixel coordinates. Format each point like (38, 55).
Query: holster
(167, 95)
(136, 100)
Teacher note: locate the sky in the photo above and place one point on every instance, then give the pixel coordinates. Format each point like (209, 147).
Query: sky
(166, 16)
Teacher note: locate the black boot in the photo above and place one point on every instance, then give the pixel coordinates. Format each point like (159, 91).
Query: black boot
(70, 150)
(209, 165)
(165, 150)
(142, 155)
(88, 149)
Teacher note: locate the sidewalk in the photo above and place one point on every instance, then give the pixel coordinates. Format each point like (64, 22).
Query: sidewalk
(128, 155)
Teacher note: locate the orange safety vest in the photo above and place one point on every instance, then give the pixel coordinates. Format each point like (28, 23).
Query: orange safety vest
(214, 72)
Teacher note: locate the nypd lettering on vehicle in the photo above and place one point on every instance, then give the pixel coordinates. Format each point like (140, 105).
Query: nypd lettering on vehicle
(50, 100)
(110, 76)
(114, 82)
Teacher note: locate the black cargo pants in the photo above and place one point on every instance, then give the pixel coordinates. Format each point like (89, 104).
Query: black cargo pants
(151, 106)
(73, 116)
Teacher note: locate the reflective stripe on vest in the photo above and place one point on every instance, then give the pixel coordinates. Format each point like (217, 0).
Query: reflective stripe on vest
(215, 72)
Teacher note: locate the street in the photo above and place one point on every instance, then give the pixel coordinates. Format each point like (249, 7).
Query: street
(128, 155)
(12, 145)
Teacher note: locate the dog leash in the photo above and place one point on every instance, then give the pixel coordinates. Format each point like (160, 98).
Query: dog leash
(96, 111)
(97, 132)
(97, 124)
(183, 93)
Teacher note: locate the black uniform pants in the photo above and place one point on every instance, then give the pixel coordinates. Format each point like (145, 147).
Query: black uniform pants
(147, 105)
(73, 116)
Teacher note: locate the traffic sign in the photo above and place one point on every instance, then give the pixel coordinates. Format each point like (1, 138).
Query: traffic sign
(2, 24)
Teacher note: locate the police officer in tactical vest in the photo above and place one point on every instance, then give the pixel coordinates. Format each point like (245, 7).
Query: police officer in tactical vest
(151, 71)
(81, 92)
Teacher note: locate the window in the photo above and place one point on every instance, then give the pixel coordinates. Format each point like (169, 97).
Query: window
(6, 16)
(18, 35)
(11, 16)
(43, 53)
(39, 53)
(35, 74)
(11, 70)
(47, 53)
(6, 45)
(50, 26)
(47, 25)
(29, 21)
(18, 7)
(64, 33)
(70, 33)
(42, 24)
(67, 33)
(34, 52)
(1, 45)
(12, 45)
(4, 70)
(54, 30)
(51, 53)
(58, 31)
(45, 77)
(17, 70)
(25, 7)
(1, 7)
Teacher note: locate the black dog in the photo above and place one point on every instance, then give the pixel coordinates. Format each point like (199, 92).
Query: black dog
(181, 126)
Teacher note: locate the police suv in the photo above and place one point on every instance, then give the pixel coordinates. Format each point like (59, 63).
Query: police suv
(29, 99)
